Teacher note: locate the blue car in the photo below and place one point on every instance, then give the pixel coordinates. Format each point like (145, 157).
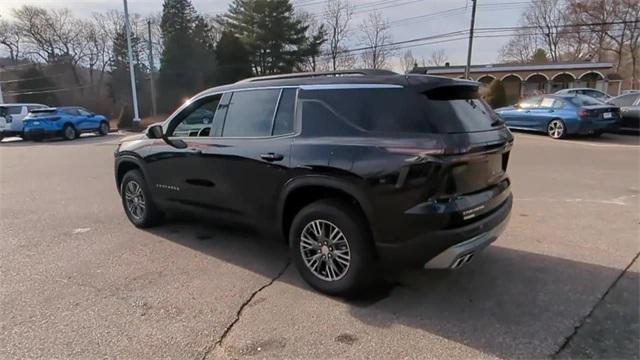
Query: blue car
(562, 115)
(67, 122)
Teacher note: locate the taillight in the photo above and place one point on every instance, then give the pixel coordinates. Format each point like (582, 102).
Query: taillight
(584, 114)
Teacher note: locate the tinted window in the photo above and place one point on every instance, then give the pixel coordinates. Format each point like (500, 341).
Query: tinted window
(14, 110)
(344, 111)
(396, 110)
(284, 117)
(625, 100)
(250, 113)
(198, 119)
(593, 93)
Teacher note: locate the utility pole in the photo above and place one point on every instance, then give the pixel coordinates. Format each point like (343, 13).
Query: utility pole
(151, 70)
(134, 93)
(1, 98)
(473, 21)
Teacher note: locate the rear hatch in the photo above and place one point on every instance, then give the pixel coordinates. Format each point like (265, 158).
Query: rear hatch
(35, 117)
(471, 179)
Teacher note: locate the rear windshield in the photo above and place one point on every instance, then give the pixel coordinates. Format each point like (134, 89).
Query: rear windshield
(392, 110)
(581, 100)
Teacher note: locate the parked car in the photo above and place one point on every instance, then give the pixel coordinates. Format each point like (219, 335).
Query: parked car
(352, 171)
(562, 115)
(629, 105)
(11, 118)
(68, 122)
(596, 94)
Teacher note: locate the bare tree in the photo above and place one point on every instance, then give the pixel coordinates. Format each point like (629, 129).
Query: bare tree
(438, 58)
(10, 39)
(377, 40)
(633, 36)
(337, 15)
(548, 17)
(520, 48)
(408, 61)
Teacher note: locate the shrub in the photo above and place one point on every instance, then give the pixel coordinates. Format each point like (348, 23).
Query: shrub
(496, 95)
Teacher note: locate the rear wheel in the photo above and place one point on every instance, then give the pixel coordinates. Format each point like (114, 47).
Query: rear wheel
(332, 249)
(137, 202)
(104, 128)
(556, 129)
(69, 132)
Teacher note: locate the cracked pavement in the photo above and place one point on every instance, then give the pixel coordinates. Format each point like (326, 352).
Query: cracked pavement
(78, 281)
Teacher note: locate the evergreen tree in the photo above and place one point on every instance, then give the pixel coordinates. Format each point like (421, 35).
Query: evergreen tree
(36, 87)
(540, 57)
(275, 39)
(188, 61)
(496, 94)
(233, 59)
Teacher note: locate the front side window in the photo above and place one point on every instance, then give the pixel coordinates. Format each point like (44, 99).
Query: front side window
(530, 102)
(83, 112)
(251, 113)
(198, 119)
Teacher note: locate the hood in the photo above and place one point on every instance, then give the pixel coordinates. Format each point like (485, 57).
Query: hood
(133, 137)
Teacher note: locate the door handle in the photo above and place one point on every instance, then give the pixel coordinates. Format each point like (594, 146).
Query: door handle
(272, 157)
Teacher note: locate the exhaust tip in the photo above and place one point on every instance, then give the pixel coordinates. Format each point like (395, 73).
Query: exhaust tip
(461, 261)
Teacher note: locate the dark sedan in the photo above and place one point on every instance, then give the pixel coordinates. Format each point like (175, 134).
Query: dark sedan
(629, 105)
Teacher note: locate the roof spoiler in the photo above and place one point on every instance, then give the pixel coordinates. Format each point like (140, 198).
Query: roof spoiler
(360, 72)
(444, 88)
(43, 110)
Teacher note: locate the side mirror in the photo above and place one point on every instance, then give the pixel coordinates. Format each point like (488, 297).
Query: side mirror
(155, 132)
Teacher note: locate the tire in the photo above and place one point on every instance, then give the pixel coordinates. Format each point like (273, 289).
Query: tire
(103, 129)
(133, 184)
(556, 129)
(353, 248)
(596, 134)
(69, 132)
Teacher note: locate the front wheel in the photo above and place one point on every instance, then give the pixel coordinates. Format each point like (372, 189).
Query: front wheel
(137, 202)
(556, 129)
(332, 249)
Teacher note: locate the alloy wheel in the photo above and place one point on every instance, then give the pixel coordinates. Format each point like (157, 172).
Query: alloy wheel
(325, 250)
(69, 133)
(135, 201)
(556, 129)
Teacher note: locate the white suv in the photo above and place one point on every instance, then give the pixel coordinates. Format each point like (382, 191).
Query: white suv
(11, 116)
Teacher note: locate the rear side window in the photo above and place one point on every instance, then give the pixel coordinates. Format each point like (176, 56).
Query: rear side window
(350, 111)
(581, 100)
(14, 110)
(395, 111)
(250, 113)
(283, 123)
(530, 102)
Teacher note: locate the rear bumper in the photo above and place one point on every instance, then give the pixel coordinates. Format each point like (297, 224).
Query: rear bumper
(440, 248)
(587, 127)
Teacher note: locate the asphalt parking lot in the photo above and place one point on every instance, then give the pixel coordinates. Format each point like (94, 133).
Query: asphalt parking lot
(77, 280)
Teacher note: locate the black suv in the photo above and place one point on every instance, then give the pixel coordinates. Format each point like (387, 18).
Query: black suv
(353, 169)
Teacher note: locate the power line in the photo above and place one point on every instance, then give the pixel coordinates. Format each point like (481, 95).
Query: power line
(50, 91)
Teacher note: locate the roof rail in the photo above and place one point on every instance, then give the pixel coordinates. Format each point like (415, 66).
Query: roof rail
(363, 72)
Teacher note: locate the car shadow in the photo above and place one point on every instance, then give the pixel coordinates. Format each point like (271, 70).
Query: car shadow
(84, 139)
(606, 138)
(508, 303)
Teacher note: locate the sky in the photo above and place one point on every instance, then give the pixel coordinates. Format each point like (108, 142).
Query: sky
(409, 19)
